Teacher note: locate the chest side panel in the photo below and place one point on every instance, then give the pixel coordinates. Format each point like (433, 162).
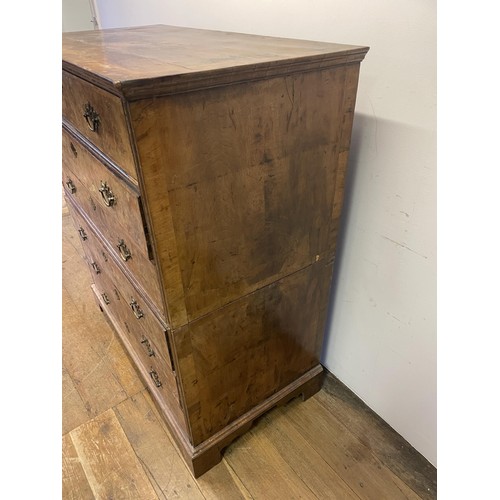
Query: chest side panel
(241, 182)
(231, 360)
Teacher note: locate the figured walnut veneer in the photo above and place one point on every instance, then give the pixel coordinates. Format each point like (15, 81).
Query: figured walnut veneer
(224, 157)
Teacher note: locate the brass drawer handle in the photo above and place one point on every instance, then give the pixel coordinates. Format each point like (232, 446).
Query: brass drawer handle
(105, 298)
(147, 345)
(71, 186)
(107, 194)
(137, 310)
(73, 149)
(96, 267)
(91, 117)
(83, 234)
(124, 251)
(155, 377)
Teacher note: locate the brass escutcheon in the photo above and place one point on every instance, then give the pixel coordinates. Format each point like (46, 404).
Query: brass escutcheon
(71, 186)
(107, 194)
(124, 251)
(147, 345)
(137, 310)
(91, 117)
(83, 234)
(156, 378)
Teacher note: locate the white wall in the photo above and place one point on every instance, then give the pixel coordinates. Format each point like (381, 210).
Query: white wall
(381, 340)
(77, 15)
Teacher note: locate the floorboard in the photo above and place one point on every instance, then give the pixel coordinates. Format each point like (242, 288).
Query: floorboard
(159, 458)
(75, 485)
(112, 468)
(115, 444)
(386, 444)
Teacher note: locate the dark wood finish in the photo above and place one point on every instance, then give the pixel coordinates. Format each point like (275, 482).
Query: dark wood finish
(122, 204)
(157, 60)
(103, 219)
(210, 452)
(239, 146)
(111, 135)
(270, 151)
(106, 268)
(224, 358)
(140, 327)
(141, 271)
(167, 393)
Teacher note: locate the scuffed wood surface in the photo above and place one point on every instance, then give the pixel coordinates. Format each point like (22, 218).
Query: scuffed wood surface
(153, 60)
(108, 459)
(75, 485)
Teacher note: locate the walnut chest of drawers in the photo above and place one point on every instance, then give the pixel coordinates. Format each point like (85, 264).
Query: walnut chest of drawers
(204, 172)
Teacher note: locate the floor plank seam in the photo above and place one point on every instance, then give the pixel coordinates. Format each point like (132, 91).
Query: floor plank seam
(91, 479)
(102, 359)
(234, 473)
(149, 474)
(393, 475)
(246, 493)
(284, 414)
(303, 482)
(168, 437)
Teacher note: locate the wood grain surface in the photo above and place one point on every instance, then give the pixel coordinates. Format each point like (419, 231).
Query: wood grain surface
(124, 209)
(241, 190)
(111, 135)
(233, 359)
(153, 60)
(254, 192)
(101, 239)
(323, 447)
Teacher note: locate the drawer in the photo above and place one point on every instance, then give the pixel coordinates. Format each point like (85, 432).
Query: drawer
(119, 242)
(151, 346)
(102, 264)
(120, 203)
(146, 337)
(99, 116)
(159, 367)
(148, 356)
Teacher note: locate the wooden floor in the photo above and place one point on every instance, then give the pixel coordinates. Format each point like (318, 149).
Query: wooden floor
(115, 445)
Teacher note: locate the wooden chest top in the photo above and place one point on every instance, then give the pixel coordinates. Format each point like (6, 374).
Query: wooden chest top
(157, 60)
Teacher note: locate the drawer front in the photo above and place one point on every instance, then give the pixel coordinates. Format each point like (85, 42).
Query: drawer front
(99, 116)
(119, 202)
(149, 345)
(123, 246)
(147, 355)
(148, 340)
(102, 264)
